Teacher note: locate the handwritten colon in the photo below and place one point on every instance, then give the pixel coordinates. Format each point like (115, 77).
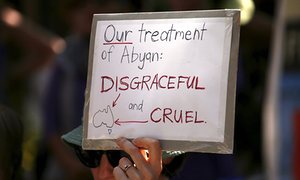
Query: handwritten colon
(148, 82)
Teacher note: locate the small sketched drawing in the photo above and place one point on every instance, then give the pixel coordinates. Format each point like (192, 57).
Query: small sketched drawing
(104, 117)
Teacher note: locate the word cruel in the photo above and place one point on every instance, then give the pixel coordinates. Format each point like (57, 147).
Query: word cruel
(174, 116)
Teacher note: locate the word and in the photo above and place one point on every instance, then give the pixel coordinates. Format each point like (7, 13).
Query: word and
(134, 106)
(174, 116)
(149, 82)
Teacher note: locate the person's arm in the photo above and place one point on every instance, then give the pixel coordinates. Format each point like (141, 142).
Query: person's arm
(67, 159)
(52, 110)
(144, 167)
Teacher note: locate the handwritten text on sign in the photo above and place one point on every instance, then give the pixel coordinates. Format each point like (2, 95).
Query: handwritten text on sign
(163, 78)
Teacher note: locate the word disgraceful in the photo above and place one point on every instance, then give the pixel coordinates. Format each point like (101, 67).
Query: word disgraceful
(148, 82)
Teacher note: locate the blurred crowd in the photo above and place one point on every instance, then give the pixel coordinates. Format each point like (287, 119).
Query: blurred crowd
(43, 67)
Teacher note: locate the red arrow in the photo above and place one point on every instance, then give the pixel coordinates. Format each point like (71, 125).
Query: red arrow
(119, 122)
(115, 101)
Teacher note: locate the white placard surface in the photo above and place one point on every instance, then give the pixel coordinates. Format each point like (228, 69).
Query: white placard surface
(162, 78)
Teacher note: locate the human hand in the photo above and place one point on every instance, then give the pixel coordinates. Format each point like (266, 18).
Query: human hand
(146, 168)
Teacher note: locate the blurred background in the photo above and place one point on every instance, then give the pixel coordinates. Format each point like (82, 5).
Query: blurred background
(43, 61)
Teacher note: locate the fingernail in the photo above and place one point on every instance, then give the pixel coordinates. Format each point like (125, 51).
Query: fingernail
(134, 141)
(120, 140)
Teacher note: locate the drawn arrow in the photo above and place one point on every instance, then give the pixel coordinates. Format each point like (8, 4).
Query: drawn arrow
(119, 122)
(115, 101)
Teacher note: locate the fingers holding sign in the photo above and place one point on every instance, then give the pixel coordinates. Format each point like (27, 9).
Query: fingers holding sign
(144, 167)
(154, 152)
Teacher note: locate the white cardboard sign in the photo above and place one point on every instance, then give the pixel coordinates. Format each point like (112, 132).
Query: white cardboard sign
(162, 75)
